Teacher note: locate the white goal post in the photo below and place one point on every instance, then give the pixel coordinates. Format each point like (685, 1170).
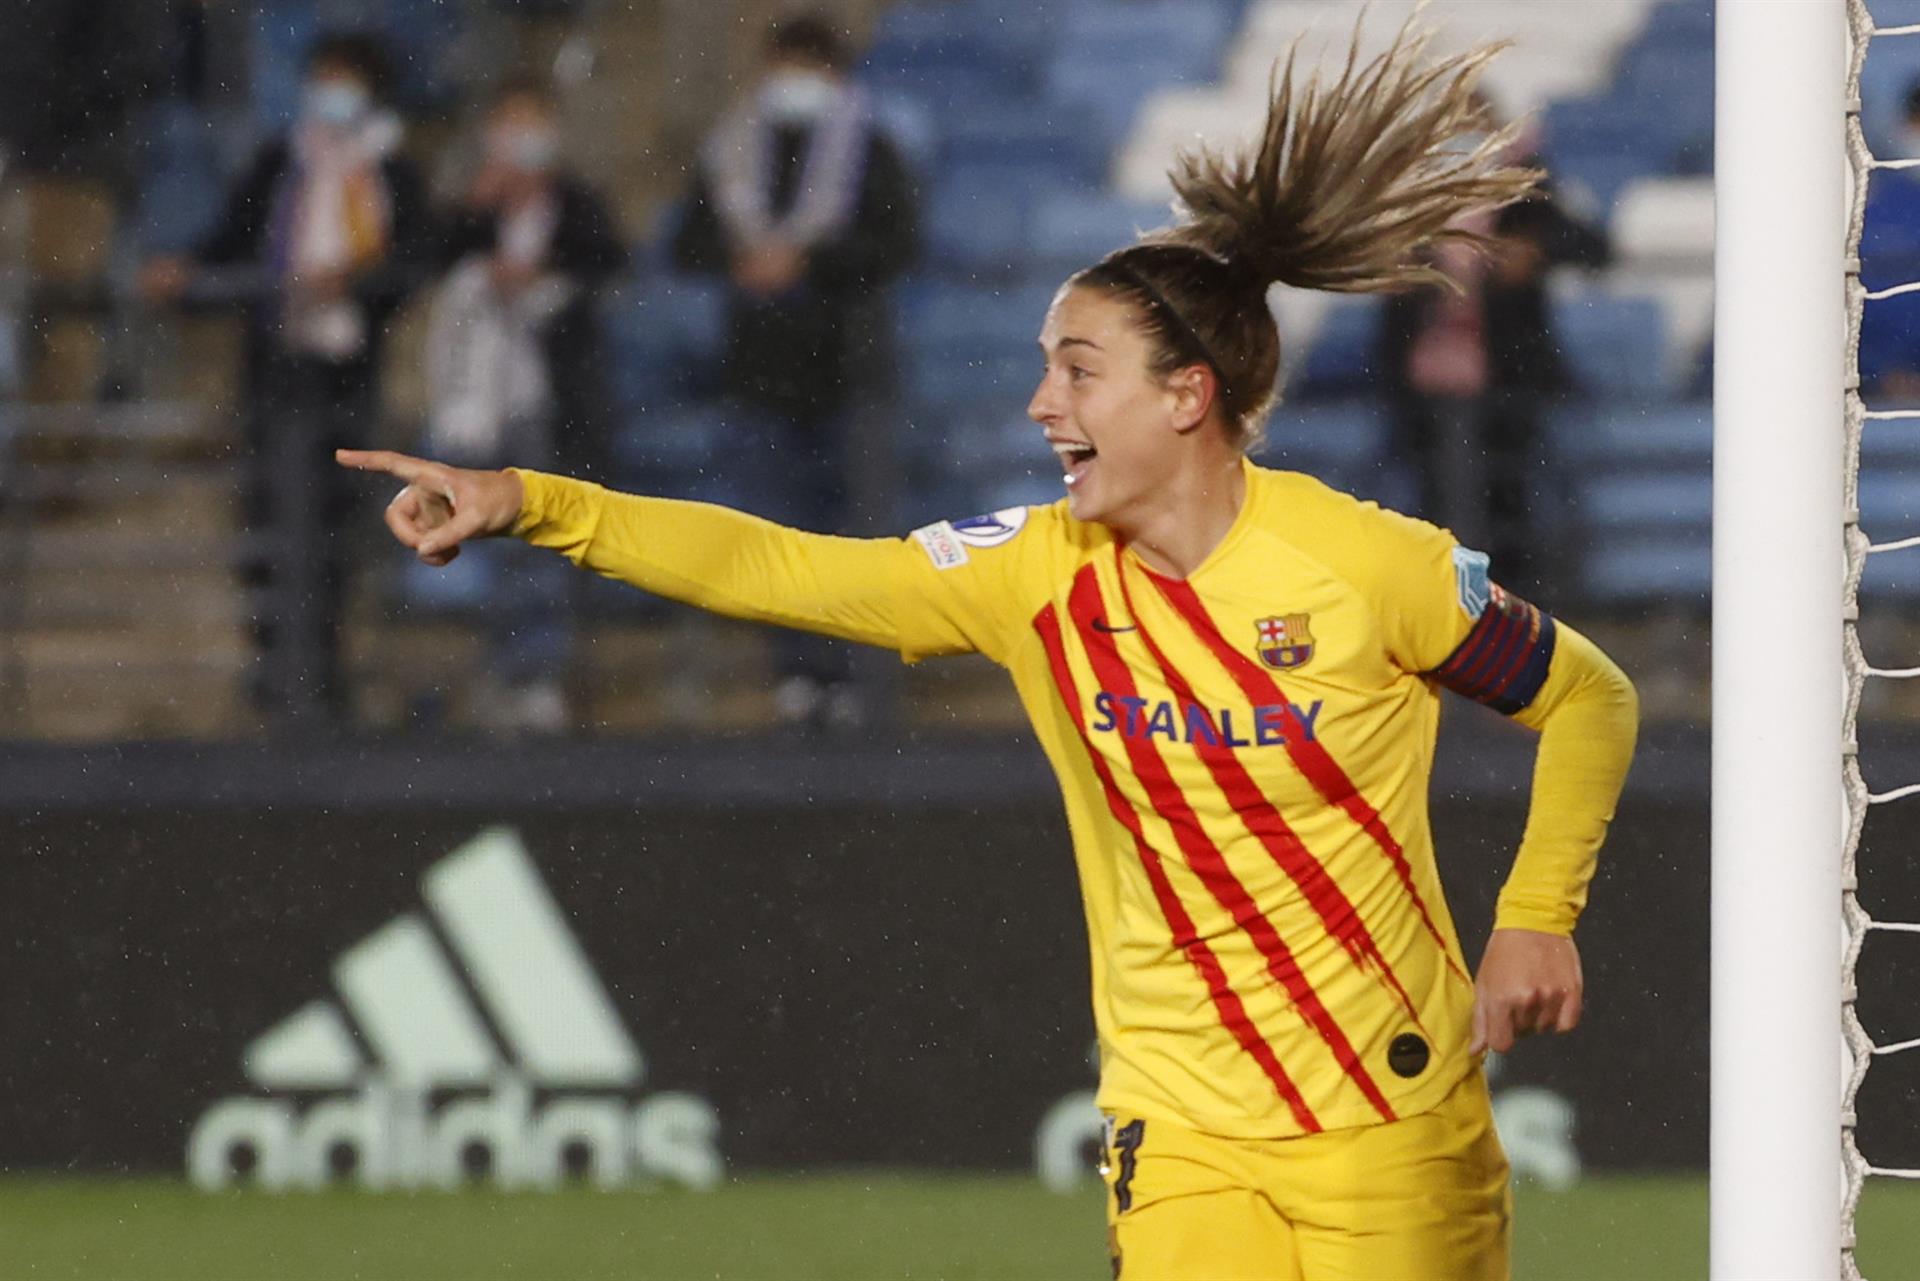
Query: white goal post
(1778, 519)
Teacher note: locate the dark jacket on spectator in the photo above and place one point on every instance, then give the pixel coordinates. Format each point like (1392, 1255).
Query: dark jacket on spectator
(1522, 354)
(587, 248)
(794, 353)
(239, 240)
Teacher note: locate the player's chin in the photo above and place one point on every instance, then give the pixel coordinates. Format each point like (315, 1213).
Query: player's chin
(1083, 497)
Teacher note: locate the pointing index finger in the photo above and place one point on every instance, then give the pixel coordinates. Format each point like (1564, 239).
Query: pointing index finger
(406, 468)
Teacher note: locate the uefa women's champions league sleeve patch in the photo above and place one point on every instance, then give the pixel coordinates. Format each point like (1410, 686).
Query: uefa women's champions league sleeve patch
(991, 529)
(1471, 581)
(1503, 661)
(946, 542)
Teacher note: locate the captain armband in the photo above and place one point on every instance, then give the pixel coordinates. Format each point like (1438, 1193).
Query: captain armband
(1503, 661)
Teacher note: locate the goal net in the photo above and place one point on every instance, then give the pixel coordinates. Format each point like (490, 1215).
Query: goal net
(1863, 541)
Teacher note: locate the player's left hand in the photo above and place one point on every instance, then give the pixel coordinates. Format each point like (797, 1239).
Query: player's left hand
(1528, 982)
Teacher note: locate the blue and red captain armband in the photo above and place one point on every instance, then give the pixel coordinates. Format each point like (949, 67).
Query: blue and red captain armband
(1503, 661)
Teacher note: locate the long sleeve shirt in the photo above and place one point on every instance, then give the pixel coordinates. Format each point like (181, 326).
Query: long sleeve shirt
(1244, 755)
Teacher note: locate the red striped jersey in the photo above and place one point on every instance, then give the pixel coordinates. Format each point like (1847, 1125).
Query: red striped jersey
(1245, 757)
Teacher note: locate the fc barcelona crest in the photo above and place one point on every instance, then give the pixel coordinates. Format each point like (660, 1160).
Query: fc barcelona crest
(1286, 642)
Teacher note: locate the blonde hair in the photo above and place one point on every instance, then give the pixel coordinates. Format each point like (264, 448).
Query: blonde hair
(1350, 181)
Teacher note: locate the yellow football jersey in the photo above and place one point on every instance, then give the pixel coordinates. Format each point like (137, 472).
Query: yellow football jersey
(1244, 756)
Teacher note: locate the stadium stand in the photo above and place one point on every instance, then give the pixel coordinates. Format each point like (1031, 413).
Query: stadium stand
(1042, 130)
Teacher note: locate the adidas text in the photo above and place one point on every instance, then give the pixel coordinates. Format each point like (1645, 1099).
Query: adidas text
(471, 1039)
(389, 1139)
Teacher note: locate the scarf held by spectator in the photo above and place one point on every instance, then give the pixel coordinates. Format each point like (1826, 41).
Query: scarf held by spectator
(740, 158)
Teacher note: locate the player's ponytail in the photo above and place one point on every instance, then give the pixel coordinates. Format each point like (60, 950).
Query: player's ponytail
(1349, 181)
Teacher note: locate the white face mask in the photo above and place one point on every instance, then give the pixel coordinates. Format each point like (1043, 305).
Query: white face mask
(532, 149)
(796, 97)
(338, 104)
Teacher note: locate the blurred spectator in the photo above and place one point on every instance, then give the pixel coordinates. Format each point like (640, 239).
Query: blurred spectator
(807, 211)
(1472, 370)
(528, 246)
(514, 372)
(1890, 255)
(322, 238)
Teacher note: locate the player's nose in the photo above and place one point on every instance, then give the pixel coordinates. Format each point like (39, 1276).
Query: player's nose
(1044, 407)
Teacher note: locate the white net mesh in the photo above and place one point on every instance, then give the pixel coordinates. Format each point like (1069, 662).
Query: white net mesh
(1860, 1049)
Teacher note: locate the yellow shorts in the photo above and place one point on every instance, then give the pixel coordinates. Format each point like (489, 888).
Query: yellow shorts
(1424, 1198)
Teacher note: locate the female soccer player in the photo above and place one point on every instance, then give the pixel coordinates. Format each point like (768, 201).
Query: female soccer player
(1235, 673)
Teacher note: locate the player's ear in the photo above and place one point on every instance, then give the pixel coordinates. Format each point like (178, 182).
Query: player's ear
(1192, 391)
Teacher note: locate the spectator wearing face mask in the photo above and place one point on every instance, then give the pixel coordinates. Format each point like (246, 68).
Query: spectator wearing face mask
(321, 240)
(1472, 370)
(807, 212)
(535, 242)
(1890, 255)
(514, 370)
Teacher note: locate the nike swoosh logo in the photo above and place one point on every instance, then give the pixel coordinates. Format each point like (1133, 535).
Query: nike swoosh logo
(1101, 625)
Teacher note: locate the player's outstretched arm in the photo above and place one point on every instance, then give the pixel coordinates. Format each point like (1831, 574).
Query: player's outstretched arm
(877, 591)
(441, 507)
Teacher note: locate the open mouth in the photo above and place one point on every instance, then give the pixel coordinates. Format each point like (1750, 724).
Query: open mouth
(1075, 460)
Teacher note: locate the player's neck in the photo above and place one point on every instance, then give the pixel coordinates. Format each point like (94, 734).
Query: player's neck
(1191, 514)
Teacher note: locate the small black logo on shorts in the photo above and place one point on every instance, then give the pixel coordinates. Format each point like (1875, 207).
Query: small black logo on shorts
(1408, 1055)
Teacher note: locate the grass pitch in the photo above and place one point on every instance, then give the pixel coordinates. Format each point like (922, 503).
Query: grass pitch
(827, 1227)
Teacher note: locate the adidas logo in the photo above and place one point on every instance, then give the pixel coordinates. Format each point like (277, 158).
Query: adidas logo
(533, 1073)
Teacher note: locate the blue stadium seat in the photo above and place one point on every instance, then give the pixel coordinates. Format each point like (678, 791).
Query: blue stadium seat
(948, 55)
(1629, 504)
(1343, 435)
(1676, 82)
(1025, 135)
(1175, 38)
(1890, 504)
(1892, 575)
(976, 438)
(943, 87)
(1680, 21)
(276, 55)
(665, 337)
(464, 584)
(1887, 330)
(1591, 436)
(1019, 484)
(969, 346)
(678, 441)
(708, 451)
(1083, 87)
(1889, 444)
(1073, 229)
(1004, 376)
(1597, 145)
(1649, 568)
(418, 36)
(1339, 361)
(1891, 70)
(964, 319)
(979, 216)
(1596, 177)
(1600, 123)
(911, 126)
(1614, 347)
(180, 184)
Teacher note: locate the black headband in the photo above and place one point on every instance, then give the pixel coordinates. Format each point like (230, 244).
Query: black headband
(1135, 280)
